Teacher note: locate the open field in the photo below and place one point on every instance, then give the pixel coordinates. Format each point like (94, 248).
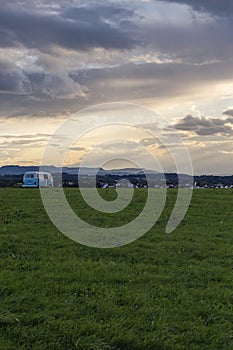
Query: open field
(162, 292)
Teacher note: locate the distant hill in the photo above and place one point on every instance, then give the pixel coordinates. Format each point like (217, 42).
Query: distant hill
(20, 170)
(16, 169)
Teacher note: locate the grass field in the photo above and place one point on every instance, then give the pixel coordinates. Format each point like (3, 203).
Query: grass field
(162, 292)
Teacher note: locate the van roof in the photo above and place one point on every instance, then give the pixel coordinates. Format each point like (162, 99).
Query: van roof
(36, 172)
(32, 172)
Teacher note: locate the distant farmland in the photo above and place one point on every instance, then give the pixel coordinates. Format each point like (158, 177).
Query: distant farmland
(162, 292)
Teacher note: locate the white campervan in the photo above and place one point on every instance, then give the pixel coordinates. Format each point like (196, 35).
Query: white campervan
(37, 179)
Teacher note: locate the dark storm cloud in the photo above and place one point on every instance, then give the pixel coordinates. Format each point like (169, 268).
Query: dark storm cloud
(195, 42)
(87, 28)
(58, 84)
(216, 7)
(39, 25)
(13, 80)
(130, 81)
(111, 27)
(203, 126)
(228, 112)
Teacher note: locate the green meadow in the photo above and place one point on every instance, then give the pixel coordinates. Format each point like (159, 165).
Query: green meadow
(161, 292)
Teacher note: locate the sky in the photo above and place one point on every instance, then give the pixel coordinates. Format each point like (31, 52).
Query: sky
(172, 57)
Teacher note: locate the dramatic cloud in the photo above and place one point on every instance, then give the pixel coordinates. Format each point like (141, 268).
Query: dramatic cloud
(54, 84)
(70, 50)
(13, 80)
(57, 57)
(160, 81)
(228, 112)
(131, 81)
(79, 28)
(216, 7)
(61, 85)
(206, 126)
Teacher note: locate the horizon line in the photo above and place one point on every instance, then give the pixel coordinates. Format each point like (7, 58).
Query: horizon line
(115, 169)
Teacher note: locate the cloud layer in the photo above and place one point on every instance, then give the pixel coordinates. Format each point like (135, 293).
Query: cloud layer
(57, 57)
(45, 45)
(219, 8)
(204, 126)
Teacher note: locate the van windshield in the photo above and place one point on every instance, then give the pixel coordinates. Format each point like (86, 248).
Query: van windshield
(30, 175)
